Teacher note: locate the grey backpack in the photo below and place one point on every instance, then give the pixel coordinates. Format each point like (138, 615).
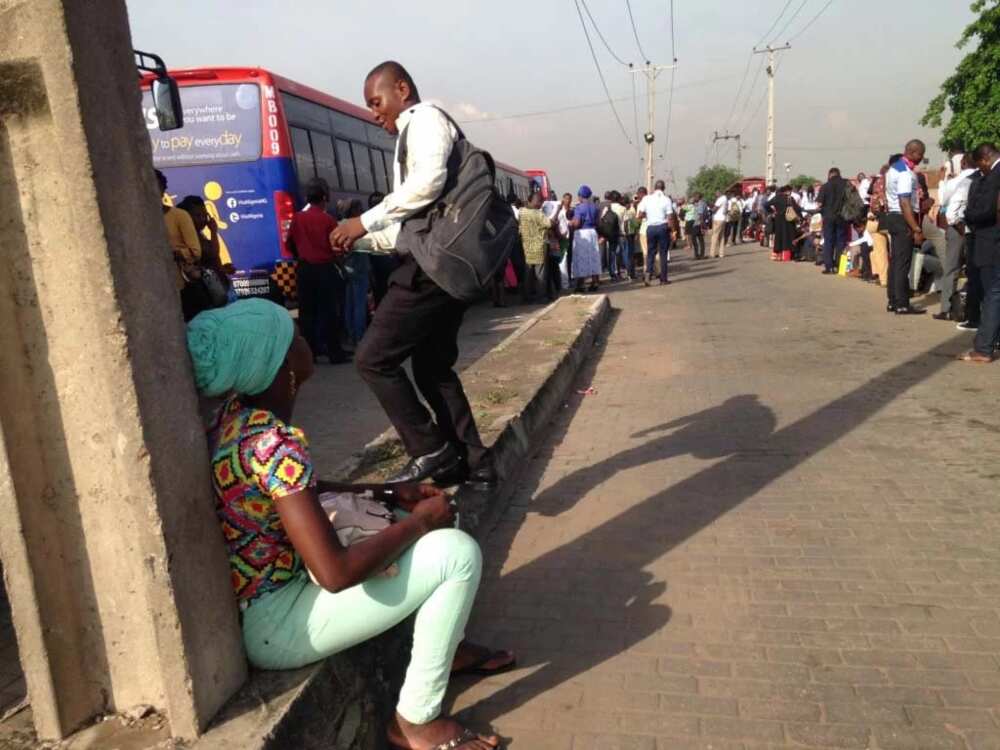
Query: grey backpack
(462, 239)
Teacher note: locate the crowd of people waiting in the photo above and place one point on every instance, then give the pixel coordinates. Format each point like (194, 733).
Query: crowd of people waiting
(891, 231)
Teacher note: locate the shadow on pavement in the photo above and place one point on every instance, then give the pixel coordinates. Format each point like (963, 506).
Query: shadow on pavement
(592, 590)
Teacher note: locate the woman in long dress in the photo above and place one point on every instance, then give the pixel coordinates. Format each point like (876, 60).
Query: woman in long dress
(586, 253)
(784, 230)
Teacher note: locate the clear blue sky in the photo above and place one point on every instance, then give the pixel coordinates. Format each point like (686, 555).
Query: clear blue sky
(845, 95)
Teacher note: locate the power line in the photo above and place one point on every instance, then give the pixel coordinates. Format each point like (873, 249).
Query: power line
(790, 21)
(673, 70)
(739, 91)
(590, 105)
(598, 30)
(811, 21)
(600, 73)
(673, 43)
(773, 25)
(746, 71)
(746, 103)
(635, 32)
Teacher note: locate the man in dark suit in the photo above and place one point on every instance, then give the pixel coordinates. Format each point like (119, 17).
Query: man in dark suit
(831, 201)
(982, 217)
(417, 320)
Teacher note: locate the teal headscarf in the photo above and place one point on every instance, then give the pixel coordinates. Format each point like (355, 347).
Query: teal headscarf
(239, 347)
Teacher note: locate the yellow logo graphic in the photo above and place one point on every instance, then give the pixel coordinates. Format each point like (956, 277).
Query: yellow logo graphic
(213, 191)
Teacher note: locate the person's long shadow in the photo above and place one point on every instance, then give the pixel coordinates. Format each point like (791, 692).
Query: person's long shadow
(740, 423)
(592, 594)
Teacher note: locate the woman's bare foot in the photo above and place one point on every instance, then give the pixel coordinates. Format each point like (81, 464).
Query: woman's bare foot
(471, 657)
(440, 732)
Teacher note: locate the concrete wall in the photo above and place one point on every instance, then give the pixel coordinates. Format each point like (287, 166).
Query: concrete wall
(115, 568)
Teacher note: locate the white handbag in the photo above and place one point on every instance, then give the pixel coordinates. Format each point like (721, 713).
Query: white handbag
(356, 518)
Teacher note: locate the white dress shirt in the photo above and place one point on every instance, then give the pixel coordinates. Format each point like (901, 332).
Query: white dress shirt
(657, 206)
(864, 188)
(954, 196)
(720, 208)
(429, 140)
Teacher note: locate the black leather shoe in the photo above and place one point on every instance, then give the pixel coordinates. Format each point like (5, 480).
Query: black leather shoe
(909, 311)
(890, 309)
(941, 316)
(433, 464)
(484, 476)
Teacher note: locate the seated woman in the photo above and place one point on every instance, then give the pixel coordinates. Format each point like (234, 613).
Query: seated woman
(277, 533)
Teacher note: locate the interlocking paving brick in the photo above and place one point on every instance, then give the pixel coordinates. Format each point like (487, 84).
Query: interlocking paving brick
(743, 539)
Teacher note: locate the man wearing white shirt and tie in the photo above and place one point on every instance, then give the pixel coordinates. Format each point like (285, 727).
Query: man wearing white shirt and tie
(656, 208)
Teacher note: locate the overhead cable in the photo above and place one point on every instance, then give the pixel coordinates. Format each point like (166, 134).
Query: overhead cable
(598, 30)
(600, 73)
(813, 20)
(635, 32)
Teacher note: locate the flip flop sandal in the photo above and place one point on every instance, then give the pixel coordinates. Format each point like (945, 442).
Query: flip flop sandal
(477, 668)
(979, 359)
(454, 743)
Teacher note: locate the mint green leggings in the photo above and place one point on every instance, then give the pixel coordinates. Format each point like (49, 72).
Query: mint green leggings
(438, 577)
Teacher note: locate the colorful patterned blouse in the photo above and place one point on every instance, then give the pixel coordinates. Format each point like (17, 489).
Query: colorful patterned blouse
(256, 461)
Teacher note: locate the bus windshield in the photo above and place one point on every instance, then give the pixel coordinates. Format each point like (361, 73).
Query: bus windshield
(221, 125)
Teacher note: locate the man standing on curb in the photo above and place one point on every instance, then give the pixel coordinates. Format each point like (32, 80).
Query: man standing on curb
(902, 196)
(417, 320)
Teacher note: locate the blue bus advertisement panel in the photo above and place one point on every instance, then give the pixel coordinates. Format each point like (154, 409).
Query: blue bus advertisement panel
(218, 156)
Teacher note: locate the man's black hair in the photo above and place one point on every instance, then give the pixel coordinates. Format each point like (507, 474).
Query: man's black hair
(317, 191)
(983, 150)
(191, 201)
(915, 142)
(398, 73)
(659, 185)
(834, 172)
(375, 198)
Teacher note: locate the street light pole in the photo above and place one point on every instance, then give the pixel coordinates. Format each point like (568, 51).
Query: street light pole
(650, 71)
(770, 51)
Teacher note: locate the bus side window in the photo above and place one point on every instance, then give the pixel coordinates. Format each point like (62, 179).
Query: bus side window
(380, 181)
(326, 161)
(349, 181)
(305, 166)
(363, 166)
(389, 166)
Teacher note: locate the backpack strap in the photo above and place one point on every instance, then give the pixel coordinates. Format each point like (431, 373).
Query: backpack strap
(402, 151)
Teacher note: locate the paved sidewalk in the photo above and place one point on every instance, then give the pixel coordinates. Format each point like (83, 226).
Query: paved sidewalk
(340, 414)
(774, 524)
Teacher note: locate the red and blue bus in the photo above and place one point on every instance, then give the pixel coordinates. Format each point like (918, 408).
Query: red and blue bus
(251, 141)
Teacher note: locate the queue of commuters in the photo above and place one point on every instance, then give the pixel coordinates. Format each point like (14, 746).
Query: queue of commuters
(889, 230)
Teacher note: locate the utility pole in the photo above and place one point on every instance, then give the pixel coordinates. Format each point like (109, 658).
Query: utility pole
(739, 147)
(651, 72)
(770, 105)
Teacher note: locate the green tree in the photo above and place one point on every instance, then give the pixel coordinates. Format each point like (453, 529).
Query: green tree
(972, 93)
(803, 181)
(712, 180)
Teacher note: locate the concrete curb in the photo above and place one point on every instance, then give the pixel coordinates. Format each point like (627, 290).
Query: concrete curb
(376, 446)
(343, 702)
(479, 511)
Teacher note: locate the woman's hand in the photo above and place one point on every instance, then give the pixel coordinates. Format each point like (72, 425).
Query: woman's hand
(408, 495)
(435, 512)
